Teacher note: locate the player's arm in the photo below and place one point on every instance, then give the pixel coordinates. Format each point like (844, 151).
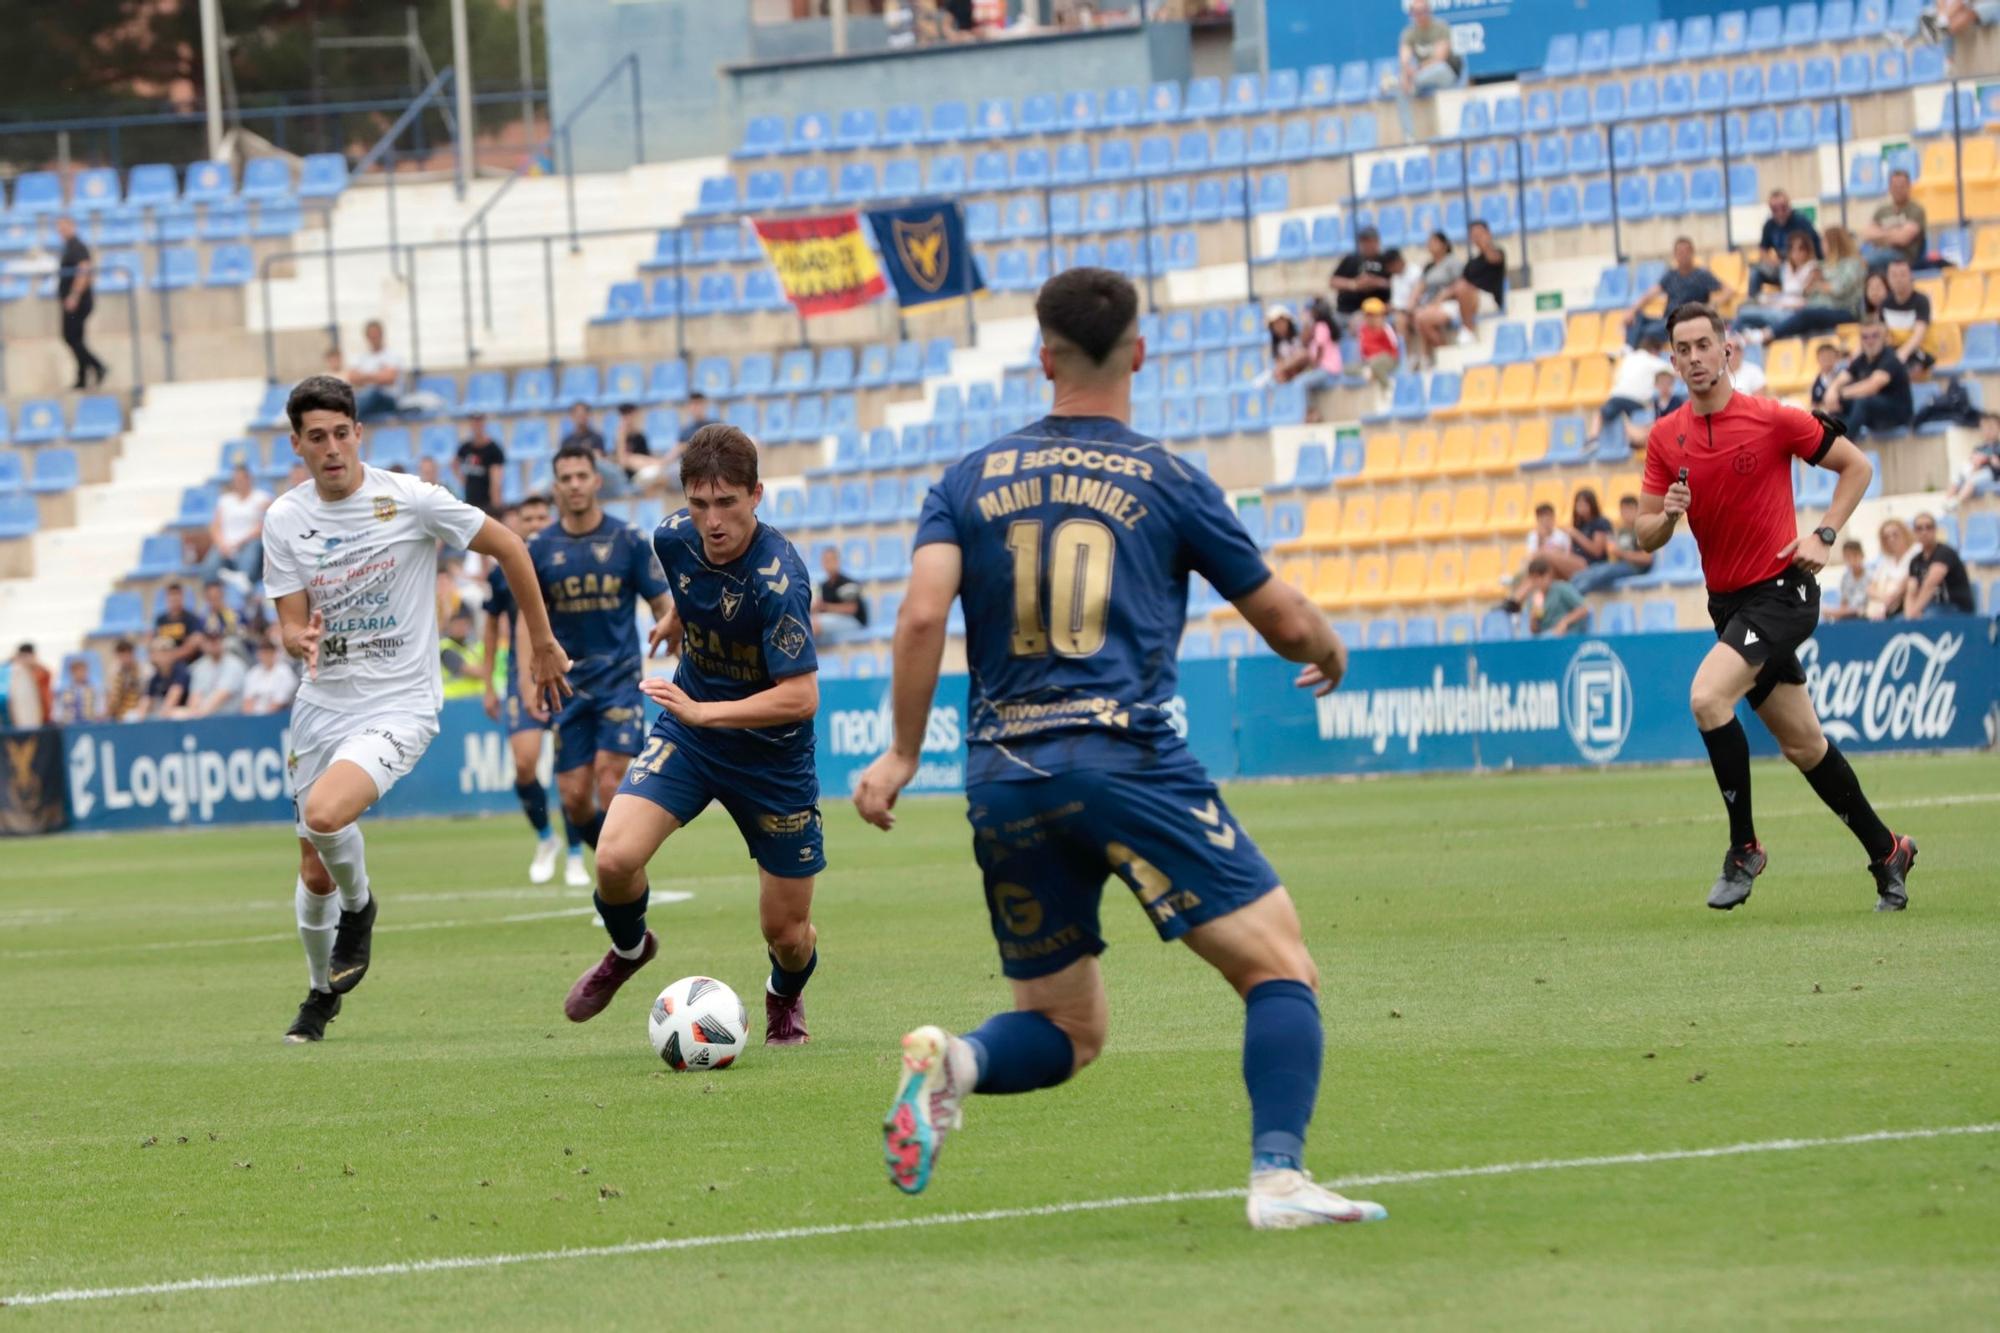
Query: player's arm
(299, 630)
(936, 570)
(489, 650)
(666, 624)
(789, 701)
(547, 662)
(1296, 631)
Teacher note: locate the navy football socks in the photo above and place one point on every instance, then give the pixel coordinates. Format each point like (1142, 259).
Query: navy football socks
(1021, 1051)
(788, 984)
(625, 923)
(534, 799)
(1282, 1044)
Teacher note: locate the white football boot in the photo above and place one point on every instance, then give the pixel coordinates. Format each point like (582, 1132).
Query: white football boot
(543, 868)
(1281, 1199)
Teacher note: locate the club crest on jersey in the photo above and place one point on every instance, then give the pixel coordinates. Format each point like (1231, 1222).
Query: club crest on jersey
(731, 601)
(685, 580)
(602, 550)
(1744, 463)
(385, 508)
(789, 637)
(559, 557)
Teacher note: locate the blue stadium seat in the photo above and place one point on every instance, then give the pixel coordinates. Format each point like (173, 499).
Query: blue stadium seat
(949, 122)
(322, 176)
(95, 189)
(1853, 75)
(1510, 343)
(266, 178)
(39, 421)
(994, 119)
(762, 136)
(1559, 61)
(98, 417)
(1593, 52)
(207, 183)
(1496, 626)
(1628, 46)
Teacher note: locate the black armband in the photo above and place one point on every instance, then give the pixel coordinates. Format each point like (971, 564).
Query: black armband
(1831, 428)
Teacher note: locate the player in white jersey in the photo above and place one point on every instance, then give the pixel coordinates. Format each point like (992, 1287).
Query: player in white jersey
(350, 561)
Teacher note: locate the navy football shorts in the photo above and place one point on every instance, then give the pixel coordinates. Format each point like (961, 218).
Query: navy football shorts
(775, 801)
(1046, 845)
(515, 717)
(610, 718)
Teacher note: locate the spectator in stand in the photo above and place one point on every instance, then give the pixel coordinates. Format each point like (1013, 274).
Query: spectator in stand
(124, 683)
(214, 618)
(30, 697)
(1425, 63)
(1633, 381)
(635, 454)
(1890, 575)
(1828, 358)
(1873, 393)
(477, 465)
(1985, 462)
(1547, 543)
(215, 681)
(76, 289)
(377, 376)
(1666, 396)
(840, 612)
(1684, 281)
(1622, 559)
(1553, 604)
(1833, 296)
(1796, 275)
(1938, 583)
(581, 431)
(1323, 338)
(268, 686)
(1359, 275)
(177, 625)
(297, 476)
(1442, 268)
(1955, 18)
(253, 624)
(236, 534)
(77, 701)
(167, 689)
(695, 415)
(1852, 603)
(1480, 286)
(1774, 243)
(1906, 315)
(1745, 375)
(1298, 356)
(1898, 229)
(429, 472)
(1380, 352)
(1589, 531)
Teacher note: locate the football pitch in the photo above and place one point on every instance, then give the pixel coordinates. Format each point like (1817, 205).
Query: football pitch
(1536, 1034)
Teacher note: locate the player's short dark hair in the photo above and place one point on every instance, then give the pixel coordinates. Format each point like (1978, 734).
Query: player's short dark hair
(319, 393)
(536, 499)
(1089, 308)
(1690, 310)
(583, 451)
(623, 408)
(1545, 508)
(719, 452)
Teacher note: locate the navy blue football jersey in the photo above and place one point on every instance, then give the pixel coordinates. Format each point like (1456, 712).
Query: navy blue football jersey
(1078, 536)
(591, 584)
(500, 602)
(748, 625)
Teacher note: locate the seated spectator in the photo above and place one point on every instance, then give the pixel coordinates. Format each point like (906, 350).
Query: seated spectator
(428, 471)
(1554, 606)
(1985, 462)
(1442, 267)
(176, 624)
(1852, 602)
(269, 685)
(1360, 274)
(1683, 281)
(1828, 358)
(1481, 286)
(477, 465)
(124, 683)
(695, 414)
(1955, 18)
(1290, 356)
(214, 681)
(1548, 543)
(840, 612)
(377, 375)
(1745, 375)
(634, 454)
(253, 624)
(1833, 295)
(1938, 583)
(236, 534)
(30, 696)
(167, 689)
(1873, 393)
(1890, 575)
(1425, 63)
(1633, 381)
(1799, 272)
(1380, 352)
(1622, 559)
(1898, 228)
(1323, 337)
(1774, 242)
(1666, 396)
(1906, 316)
(1589, 531)
(77, 700)
(581, 431)
(215, 619)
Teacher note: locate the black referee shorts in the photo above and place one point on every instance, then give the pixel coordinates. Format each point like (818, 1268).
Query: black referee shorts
(1765, 623)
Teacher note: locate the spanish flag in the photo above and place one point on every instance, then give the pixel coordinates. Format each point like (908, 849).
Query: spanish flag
(824, 264)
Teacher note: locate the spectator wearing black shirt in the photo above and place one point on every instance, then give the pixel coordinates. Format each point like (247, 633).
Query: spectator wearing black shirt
(634, 453)
(1873, 393)
(1481, 286)
(76, 286)
(695, 415)
(1938, 584)
(1362, 273)
(581, 431)
(1775, 241)
(840, 612)
(177, 625)
(1906, 314)
(477, 464)
(168, 688)
(1684, 281)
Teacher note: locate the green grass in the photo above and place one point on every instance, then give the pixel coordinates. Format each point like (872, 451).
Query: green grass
(1514, 968)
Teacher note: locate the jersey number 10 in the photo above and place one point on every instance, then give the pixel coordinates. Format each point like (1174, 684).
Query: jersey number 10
(1081, 554)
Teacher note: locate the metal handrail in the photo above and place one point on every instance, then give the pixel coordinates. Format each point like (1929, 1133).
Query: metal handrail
(432, 91)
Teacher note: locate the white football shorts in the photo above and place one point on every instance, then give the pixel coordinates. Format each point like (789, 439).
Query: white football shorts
(386, 746)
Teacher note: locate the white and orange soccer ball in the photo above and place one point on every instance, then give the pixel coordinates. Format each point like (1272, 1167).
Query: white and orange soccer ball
(698, 1023)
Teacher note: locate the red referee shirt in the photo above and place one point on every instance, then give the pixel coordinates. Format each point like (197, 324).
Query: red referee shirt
(1739, 463)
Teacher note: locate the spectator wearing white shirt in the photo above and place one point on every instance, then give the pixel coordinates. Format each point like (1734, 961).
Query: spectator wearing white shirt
(215, 681)
(1745, 376)
(236, 533)
(268, 687)
(1633, 380)
(1796, 276)
(377, 376)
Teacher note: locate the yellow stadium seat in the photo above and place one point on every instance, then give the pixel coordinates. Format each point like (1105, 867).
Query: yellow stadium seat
(1444, 575)
(1617, 488)
(1483, 567)
(1330, 579)
(1982, 200)
(1406, 579)
(1986, 250)
(1964, 297)
(1552, 383)
(1455, 452)
(1591, 384)
(1469, 505)
(1357, 521)
(1420, 454)
(1475, 393)
(1991, 310)
(1371, 576)
(1517, 389)
(1379, 461)
(1611, 335)
(1494, 450)
(1730, 268)
(1531, 441)
(1322, 524)
(1509, 512)
(1298, 572)
(1981, 165)
(1581, 336)
(1948, 343)
(1393, 515)
(1785, 366)
(1433, 513)
(1550, 491)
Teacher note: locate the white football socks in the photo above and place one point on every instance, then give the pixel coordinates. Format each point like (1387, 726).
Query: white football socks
(342, 852)
(318, 914)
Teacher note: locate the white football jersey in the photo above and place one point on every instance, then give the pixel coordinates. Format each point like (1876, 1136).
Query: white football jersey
(368, 564)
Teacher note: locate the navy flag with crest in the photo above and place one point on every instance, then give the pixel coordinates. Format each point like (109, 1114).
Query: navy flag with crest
(925, 252)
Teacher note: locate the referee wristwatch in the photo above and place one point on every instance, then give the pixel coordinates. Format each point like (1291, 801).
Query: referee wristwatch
(1827, 536)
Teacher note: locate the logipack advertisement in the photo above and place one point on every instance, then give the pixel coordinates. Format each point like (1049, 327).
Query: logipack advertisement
(1541, 703)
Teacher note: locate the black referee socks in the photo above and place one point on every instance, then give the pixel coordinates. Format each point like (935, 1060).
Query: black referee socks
(1729, 756)
(1836, 784)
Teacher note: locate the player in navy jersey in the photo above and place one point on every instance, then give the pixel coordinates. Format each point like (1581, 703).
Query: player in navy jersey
(508, 703)
(736, 728)
(1070, 544)
(593, 570)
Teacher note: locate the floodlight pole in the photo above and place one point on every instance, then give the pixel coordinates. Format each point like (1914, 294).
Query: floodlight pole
(211, 72)
(461, 60)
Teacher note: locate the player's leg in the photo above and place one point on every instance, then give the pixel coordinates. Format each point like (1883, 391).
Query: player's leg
(784, 912)
(1724, 677)
(576, 781)
(330, 816)
(1787, 711)
(317, 910)
(524, 742)
(608, 770)
(776, 810)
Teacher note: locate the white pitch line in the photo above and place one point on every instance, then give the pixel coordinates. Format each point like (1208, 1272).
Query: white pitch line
(665, 1244)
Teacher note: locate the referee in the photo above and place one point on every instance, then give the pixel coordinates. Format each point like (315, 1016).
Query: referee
(1724, 460)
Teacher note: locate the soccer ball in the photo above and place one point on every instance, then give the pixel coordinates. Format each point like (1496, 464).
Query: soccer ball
(698, 1023)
